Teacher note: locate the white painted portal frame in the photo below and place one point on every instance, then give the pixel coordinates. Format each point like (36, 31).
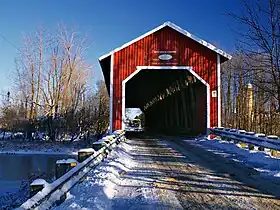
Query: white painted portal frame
(111, 93)
(186, 68)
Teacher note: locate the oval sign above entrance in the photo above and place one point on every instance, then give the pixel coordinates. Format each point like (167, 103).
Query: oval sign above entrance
(165, 57)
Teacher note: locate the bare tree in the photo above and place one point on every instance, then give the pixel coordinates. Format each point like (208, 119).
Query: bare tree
(233, 93)
(51, 74)
(257, 62)
(101, 122)
(259, 41)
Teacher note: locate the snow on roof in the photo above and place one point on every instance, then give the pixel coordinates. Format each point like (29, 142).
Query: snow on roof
(176, 28)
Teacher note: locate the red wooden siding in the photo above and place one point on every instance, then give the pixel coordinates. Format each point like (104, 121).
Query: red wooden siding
(141, 53)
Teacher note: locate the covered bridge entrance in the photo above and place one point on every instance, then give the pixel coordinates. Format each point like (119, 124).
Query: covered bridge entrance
(171, 75)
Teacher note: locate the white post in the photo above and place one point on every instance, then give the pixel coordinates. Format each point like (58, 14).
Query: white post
(111, 93)
(219, 88)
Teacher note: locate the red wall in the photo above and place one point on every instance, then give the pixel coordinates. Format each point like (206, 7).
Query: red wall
(142, 53)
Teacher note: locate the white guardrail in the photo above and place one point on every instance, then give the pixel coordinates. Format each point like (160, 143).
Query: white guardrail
(257, 139)
(53, 193)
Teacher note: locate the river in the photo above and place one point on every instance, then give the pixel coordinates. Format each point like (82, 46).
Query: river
(17, 169)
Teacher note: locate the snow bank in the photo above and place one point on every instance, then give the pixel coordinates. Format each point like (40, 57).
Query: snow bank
(12, 193)
(103, 181)
(261, 161)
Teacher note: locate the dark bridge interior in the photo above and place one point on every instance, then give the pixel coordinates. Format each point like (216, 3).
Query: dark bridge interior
(173, 101)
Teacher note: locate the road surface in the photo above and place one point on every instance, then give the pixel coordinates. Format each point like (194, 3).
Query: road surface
(172, 174)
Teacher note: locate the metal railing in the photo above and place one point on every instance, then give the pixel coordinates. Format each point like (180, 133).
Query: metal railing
(257, 139)
(53, 193)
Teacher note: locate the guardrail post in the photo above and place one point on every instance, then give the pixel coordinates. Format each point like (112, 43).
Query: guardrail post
(250, 140)
(261, 135)
(243, 145)
(261, 149)
(36, 186)
(61, 199)
(119, 139)
(84, 154)
(108, 140)
(274, 152)
(99, 145)
(251, 147)
(63, 166)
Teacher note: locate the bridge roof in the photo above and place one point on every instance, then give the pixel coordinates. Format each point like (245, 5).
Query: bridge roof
(225, 55)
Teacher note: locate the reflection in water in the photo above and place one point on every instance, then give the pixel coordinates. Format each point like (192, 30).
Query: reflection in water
(20, 167)
(17, 170)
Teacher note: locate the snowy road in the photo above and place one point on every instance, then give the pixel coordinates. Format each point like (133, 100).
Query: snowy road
(156, 174)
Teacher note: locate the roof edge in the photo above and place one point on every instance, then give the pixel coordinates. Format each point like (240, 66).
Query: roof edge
(177, 28)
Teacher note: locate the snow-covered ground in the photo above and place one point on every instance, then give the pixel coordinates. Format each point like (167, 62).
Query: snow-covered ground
(261, 161)
(155, 174)
(100, 182)
(103, 187)
(12, 193)
(35, 147)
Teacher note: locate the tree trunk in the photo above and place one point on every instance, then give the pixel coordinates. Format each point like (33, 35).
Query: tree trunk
(50, 128)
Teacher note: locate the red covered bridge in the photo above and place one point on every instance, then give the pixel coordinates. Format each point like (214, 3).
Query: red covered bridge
(171, 75)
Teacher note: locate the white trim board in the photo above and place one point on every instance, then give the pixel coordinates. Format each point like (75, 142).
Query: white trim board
(111, 92)
(187, 68)
(219, 88)
(176, 28)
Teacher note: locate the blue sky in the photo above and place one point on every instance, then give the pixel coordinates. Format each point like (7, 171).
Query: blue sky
(109, 24)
